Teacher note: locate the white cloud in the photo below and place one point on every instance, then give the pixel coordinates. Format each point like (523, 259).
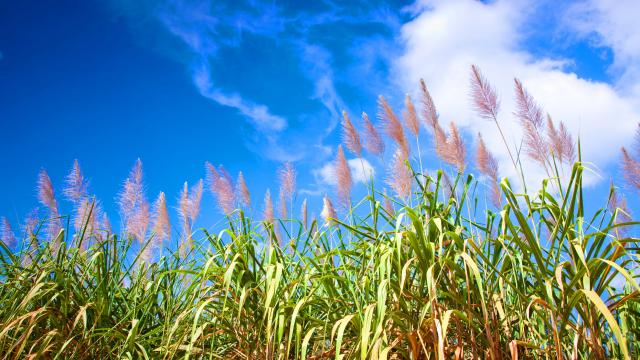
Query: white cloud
(361, 172)
(614, 23)
(195, 24)
(257, 114)
(447, 37)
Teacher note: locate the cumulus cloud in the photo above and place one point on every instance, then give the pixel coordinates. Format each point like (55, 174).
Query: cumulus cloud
(361, 172)
(446, 37)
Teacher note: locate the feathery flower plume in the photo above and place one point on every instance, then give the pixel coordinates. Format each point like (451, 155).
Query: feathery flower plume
(343, 177)
(304, 213)
(139, 222)
(328, 212)
(554, 139)
(133, 204)
(567, 144)
(447, 186)
(76, 188)
(6, 233)
(527, 109)
(161, 227)
(127, 199)
(455, 153)
(440, 141)
(221, 186)
(429, 112)
(183, 213)
(194, 201)
(388, 205)
(46, 196)
(531, 119)
(350, 135)
(410, 116)
(244, 196)
(560, 142)
(86, 222)
(535, 145)
(631, 169)
(161, 223)
(211, 174)
(86, 217)
(624, 214)
(488, 166)
(430, 116)
(225, 174)
(268, 208)
(31, 222)
(106, 224)
(287, 176)
(136, 172)
(399, 175)
(393, 126)
(373, 143)
(282, 201)
(484, 96)
(637, 140)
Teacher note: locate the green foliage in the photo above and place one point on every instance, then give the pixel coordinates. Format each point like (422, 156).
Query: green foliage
(437, 279)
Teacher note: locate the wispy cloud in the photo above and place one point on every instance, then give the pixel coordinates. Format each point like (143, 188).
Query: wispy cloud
(257, 114)
(195, 24)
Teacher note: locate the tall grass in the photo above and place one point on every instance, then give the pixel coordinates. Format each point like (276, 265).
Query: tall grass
(431, 273)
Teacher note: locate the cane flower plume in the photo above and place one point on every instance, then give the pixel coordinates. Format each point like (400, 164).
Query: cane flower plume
(76, 188)
(429, 112)
(161, 223)
(400, 178)
(287, 176)
(488, 166)
(221, 186)
(243, 190)
(630, 169)
(530, 116)
(350, 135)
(134, 206)
(410, 116)
(195, 198)
(485, 99)
(282, 203)
(560, 142)
(45, 192)
(328, 211)
(343, 178)
(454, 151)
(87, 215)
(6, 233)
(373, 141)
(304, 214)
(388, 206)
(393, 126)
(47, 198)
(620, 210)
(268, 214)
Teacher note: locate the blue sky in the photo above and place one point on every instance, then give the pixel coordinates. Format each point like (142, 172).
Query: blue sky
(253, 84)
